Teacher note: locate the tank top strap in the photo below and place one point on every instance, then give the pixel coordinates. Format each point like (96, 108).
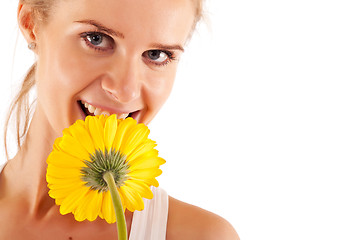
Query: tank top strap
(151, 223)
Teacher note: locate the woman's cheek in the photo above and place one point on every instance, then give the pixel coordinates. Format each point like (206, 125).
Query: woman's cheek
(75, 71)
(159, 90)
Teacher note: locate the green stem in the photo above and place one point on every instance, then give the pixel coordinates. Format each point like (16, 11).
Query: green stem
(119, 212)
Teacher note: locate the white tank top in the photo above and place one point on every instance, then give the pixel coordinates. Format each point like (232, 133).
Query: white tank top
(150, 223)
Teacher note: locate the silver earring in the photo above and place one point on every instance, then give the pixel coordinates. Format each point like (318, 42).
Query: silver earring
(32, 46)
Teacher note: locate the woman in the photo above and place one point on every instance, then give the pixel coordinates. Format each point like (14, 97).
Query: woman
(97, 57)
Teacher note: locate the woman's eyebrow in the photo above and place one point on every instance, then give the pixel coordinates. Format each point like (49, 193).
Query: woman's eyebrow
(102, 28)
(168, 47)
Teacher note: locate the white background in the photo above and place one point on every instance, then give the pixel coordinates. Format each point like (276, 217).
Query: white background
(263, 126)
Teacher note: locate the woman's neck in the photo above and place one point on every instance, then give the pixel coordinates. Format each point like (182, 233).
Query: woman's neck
(27, 170)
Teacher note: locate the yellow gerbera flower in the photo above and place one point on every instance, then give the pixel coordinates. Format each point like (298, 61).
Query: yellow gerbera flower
(87, 151)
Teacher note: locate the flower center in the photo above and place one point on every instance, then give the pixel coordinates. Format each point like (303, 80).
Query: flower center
(102, 162)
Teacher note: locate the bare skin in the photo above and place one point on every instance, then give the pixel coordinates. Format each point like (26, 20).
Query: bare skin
(116, 74)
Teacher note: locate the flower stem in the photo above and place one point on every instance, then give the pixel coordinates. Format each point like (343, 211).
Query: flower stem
(119, 212)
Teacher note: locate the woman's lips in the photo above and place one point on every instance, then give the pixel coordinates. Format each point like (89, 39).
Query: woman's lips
(91, 110)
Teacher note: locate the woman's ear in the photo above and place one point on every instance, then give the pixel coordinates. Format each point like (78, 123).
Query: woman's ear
(26, 21)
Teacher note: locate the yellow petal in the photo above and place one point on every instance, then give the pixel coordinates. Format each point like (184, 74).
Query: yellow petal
(122, 200)
(65, 183)
(144, 163)
(73, 200)
(102, 119)
(63, 190)
(94, 206)
(148, 154)
(96, 130)
(134, 137)
(66, 132)
(107, 209)
(60, 172)
(142, 188)
(79, 132)
(72, 146)
(55, 178)
(145, 173)
(88, 208)
(133, 200)
(62, 159)
(110, 131)
(122, 129)
(141, 149)
(56, 144)
(151, 182)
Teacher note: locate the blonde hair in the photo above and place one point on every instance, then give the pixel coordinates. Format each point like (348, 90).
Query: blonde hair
(20, 106)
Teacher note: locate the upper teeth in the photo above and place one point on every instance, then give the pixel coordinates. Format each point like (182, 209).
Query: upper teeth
(98, 111)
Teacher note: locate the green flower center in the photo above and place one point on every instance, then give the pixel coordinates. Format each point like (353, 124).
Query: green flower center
(101, 162)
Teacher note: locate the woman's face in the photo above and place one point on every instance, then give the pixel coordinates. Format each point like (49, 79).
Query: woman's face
(113, 56)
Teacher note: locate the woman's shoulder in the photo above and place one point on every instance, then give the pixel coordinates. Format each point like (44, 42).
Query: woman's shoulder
(186, 221)
(2, 165)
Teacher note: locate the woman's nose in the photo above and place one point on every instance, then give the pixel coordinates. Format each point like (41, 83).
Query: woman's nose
(123, 82)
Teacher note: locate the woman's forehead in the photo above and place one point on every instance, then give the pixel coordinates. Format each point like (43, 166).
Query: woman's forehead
(152, 18)
(155, 12)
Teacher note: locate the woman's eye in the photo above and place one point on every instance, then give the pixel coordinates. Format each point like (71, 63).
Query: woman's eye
(95, 39)
(158, 57)
(98, 41)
